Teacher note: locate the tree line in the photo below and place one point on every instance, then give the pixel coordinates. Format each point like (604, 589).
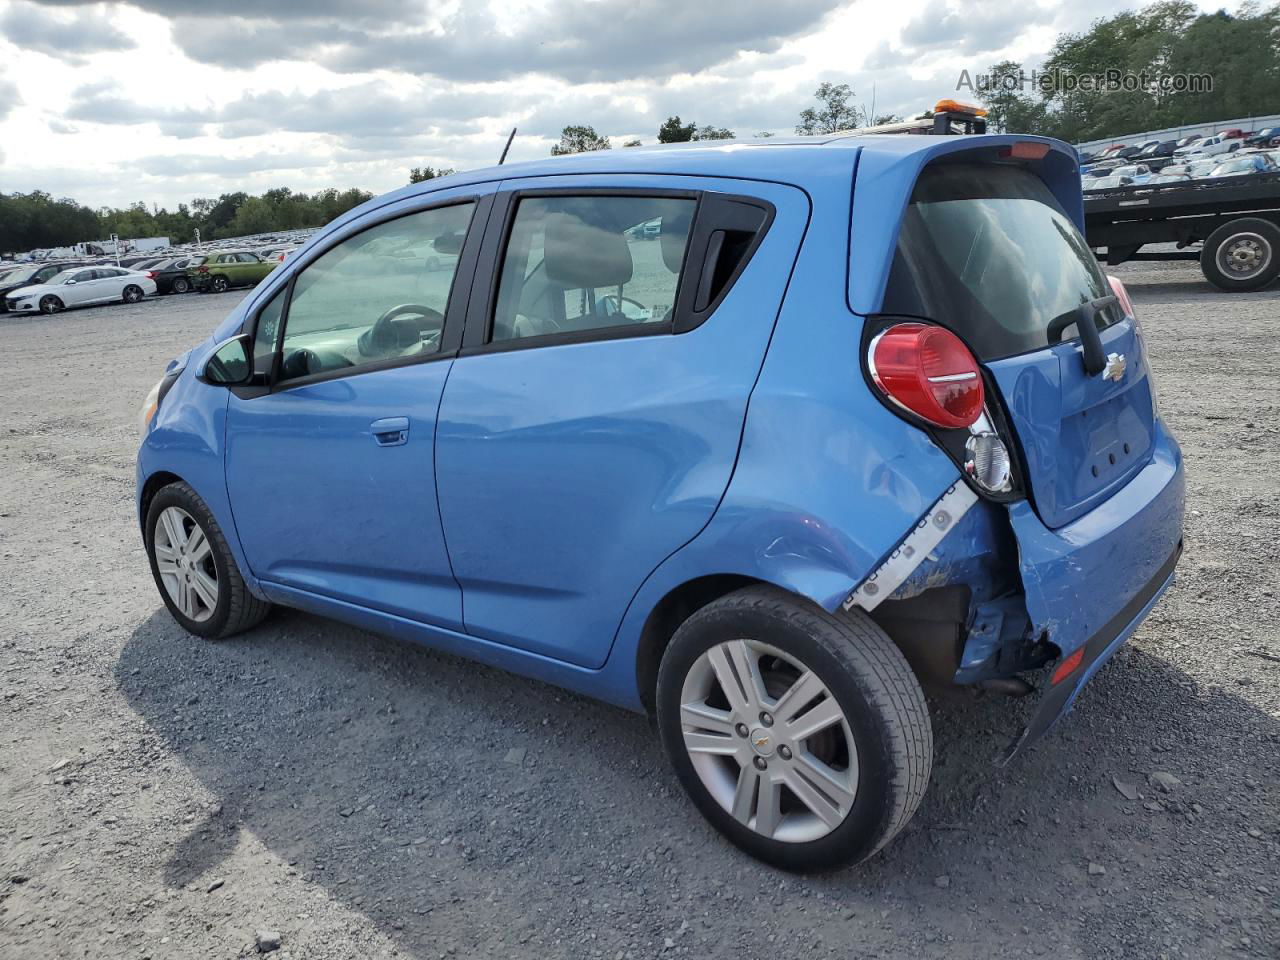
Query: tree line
(36, 220)
(1239, 53)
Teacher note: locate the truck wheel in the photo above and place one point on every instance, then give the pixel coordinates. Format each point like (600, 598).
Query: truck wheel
(803, 737)
(1242, 255)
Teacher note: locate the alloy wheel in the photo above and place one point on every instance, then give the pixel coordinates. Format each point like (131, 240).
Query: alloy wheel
(184, 560)
(769, 741)
(132, 294)
(50, 305)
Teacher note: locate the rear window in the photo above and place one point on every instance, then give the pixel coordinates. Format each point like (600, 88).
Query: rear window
(987, 250)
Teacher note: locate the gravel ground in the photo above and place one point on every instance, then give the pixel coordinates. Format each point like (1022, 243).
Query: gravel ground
(165, 797)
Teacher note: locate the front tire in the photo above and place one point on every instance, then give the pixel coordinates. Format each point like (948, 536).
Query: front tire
(1242, 255)
(50, 304)
(802, 736)
(194, 568)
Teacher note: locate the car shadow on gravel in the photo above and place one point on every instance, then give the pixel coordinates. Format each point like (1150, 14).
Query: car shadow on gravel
(458, 806)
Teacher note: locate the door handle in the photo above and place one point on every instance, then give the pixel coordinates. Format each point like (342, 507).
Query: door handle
(390, 431)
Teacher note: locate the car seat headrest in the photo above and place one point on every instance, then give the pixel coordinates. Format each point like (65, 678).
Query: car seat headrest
(579, 255)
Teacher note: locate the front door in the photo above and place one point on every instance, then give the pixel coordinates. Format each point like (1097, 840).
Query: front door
(590, 426)
(330, 468)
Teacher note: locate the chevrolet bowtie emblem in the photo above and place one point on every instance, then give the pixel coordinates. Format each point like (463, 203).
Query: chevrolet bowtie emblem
(762, 742)
(1114, 370)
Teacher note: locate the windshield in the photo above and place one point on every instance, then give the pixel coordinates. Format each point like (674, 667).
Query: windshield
(21, 275)
(986, 250)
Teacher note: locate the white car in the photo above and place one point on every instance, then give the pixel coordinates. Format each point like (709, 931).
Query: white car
(1208, 147)
(80, 287)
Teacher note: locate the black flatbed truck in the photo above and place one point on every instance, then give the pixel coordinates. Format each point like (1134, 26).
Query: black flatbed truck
(1237, 219)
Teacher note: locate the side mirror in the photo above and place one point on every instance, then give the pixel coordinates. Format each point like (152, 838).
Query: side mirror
(69, 283)
(230, 364)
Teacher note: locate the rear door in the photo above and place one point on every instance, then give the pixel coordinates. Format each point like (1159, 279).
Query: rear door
(591, 424)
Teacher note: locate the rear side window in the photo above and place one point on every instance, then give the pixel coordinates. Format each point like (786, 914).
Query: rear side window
(986, 250)
(582, 263)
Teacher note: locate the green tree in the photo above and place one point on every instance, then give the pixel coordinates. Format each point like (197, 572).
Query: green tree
(833, 112)
(673, 131)
(1010, 108)
(714, 133)
(421, 174)
(579, 139)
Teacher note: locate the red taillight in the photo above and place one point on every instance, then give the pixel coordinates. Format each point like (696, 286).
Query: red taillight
(929, 371)
(202, 269)
(1123, 296)
(1066, 667)
(151, 274)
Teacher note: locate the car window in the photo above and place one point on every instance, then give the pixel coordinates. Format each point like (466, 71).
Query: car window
(990, 252)
(584, 263)
(84, 275)
(265, 334)
(247, 258)
(362, 302)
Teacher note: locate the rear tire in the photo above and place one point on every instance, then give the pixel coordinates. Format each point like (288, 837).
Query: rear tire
(132, 294)
(194, 568)
(1242, 255)
(219, 284)
(872, 763)
(181, 285)
(50, 304)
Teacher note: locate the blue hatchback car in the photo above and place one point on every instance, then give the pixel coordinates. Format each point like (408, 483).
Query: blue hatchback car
(761, 439)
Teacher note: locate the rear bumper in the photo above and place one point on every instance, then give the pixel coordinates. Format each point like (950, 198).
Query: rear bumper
(1089, 584)
(1057, 701)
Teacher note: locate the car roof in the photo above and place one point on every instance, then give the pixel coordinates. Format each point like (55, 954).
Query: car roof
(794, 160)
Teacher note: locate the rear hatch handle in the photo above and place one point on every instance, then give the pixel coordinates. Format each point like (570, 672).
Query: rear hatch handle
(1095, 358)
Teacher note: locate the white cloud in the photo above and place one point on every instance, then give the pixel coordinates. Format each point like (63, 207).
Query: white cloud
(164, 100)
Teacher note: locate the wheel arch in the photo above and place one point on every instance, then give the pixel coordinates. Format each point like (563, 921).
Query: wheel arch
(150, 487)
(675, 607)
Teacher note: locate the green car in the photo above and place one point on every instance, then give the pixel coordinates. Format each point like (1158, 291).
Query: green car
(228, 268)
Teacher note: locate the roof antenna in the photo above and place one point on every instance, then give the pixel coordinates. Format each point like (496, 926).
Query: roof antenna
(507, 147)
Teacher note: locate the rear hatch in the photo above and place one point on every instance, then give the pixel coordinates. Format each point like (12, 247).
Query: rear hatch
(987, 250)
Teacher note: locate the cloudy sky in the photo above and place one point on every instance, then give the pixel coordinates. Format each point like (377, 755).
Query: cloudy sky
(165, 100)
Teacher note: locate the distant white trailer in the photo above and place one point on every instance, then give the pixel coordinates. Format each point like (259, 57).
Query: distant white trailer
(100, 248)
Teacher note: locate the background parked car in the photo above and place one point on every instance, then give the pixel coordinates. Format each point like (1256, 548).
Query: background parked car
(32, 274)
(1245, 165)
(1136, 172)
(81, 287)
(170, 274)
(1209, 146)
(232, 268)
(1106, 183)
(1161, 179)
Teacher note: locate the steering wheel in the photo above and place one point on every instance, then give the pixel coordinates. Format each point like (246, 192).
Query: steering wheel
(390, 334)
(611, 305)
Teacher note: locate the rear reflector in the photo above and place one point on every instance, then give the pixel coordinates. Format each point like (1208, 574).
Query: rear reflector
(1067, 667)
(929, 372)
